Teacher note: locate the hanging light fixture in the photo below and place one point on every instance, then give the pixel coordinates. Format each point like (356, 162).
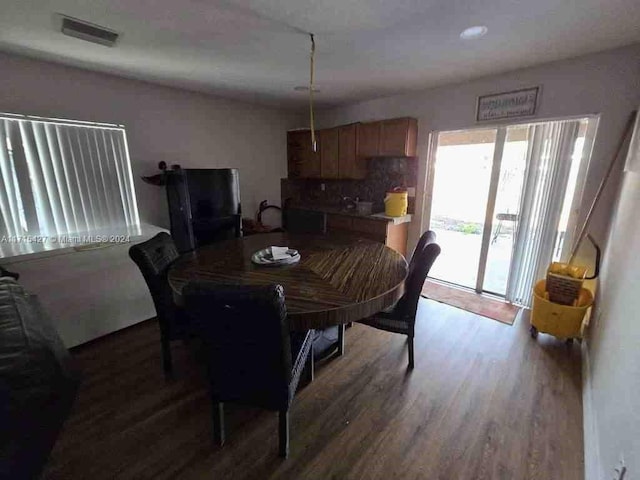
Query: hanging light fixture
(314, 144)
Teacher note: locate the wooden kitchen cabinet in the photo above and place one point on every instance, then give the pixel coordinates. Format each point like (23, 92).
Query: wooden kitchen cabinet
(294, 145)
(302, 161)
(369, 139)
(337, 223)
(373, 229)
(351, 165)
(393, 236)
(398, 137)
(330, 153)
(343, 151)
(397, 236)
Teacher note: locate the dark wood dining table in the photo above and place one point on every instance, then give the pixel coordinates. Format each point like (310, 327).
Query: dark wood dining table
(339, 279)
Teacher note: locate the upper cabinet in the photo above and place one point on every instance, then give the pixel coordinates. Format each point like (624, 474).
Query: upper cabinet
(369, 139)
(330, 153)
(302, 161)
(398, 137)
(388, 138)
(352, 165)
(342, 151)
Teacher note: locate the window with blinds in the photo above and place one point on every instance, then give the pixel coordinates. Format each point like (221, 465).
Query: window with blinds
(59, 177)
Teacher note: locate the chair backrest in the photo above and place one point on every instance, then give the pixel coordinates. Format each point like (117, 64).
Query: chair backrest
(6, 273)
(408, 304)
(245, 331)
(154, 257)
(425, 239)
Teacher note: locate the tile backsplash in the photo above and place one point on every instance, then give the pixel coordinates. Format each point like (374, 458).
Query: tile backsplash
(383, 174)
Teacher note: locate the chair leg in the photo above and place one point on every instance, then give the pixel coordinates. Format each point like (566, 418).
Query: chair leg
(410, 341)
(283, 432)
(167, 363)
(341, 329)
(217, 411)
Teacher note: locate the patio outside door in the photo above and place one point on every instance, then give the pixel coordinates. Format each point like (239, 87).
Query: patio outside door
(482, 179)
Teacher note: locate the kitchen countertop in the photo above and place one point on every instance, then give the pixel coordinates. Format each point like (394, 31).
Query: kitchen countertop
(395, 220)
(336, 210)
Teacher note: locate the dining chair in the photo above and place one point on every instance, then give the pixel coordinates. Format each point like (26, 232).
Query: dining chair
(252, 357)
(425, 239)
(6, 273)
(154, 257)
(401, 318)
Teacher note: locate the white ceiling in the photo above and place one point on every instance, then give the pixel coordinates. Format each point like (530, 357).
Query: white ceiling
(257, 49)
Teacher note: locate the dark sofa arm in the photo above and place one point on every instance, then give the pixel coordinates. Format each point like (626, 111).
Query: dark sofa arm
(38, 383)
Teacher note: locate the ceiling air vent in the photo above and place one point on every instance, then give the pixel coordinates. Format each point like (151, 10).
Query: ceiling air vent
(88, 31)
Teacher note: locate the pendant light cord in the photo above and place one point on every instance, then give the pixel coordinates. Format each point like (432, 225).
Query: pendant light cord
(314, 145)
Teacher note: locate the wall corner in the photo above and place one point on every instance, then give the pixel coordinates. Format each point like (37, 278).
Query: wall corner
(592, 463)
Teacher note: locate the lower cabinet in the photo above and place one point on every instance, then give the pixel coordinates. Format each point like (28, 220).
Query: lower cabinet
(393, 236)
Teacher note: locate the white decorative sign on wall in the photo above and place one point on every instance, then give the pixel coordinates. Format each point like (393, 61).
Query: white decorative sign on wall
(519, 103)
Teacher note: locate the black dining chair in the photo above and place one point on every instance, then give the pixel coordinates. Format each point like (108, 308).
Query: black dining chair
(6, 273)
(252, 357)
(154, 257)
(425, 239)
(401, 318)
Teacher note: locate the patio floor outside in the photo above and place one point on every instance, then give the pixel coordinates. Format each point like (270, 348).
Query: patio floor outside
(458, 262)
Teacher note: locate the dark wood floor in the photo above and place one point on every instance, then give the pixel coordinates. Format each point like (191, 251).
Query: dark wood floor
(485, 401)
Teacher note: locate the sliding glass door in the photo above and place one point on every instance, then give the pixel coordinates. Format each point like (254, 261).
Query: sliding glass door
(463, 173)
(501, 202)
(503, 217)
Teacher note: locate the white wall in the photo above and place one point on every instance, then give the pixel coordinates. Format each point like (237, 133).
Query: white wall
(604, 83)
(89, 294)
(612, 370)
(162, 123)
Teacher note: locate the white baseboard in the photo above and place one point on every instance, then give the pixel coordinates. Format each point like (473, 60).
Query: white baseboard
(592, 464)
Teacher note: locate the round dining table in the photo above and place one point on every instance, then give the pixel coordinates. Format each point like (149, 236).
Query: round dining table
(339, 279)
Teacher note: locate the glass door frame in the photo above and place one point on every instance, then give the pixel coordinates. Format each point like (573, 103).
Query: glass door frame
(498, 150)
(501, 132)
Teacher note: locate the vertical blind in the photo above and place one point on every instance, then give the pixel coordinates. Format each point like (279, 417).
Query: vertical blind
(549, 154)
(58, 178)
